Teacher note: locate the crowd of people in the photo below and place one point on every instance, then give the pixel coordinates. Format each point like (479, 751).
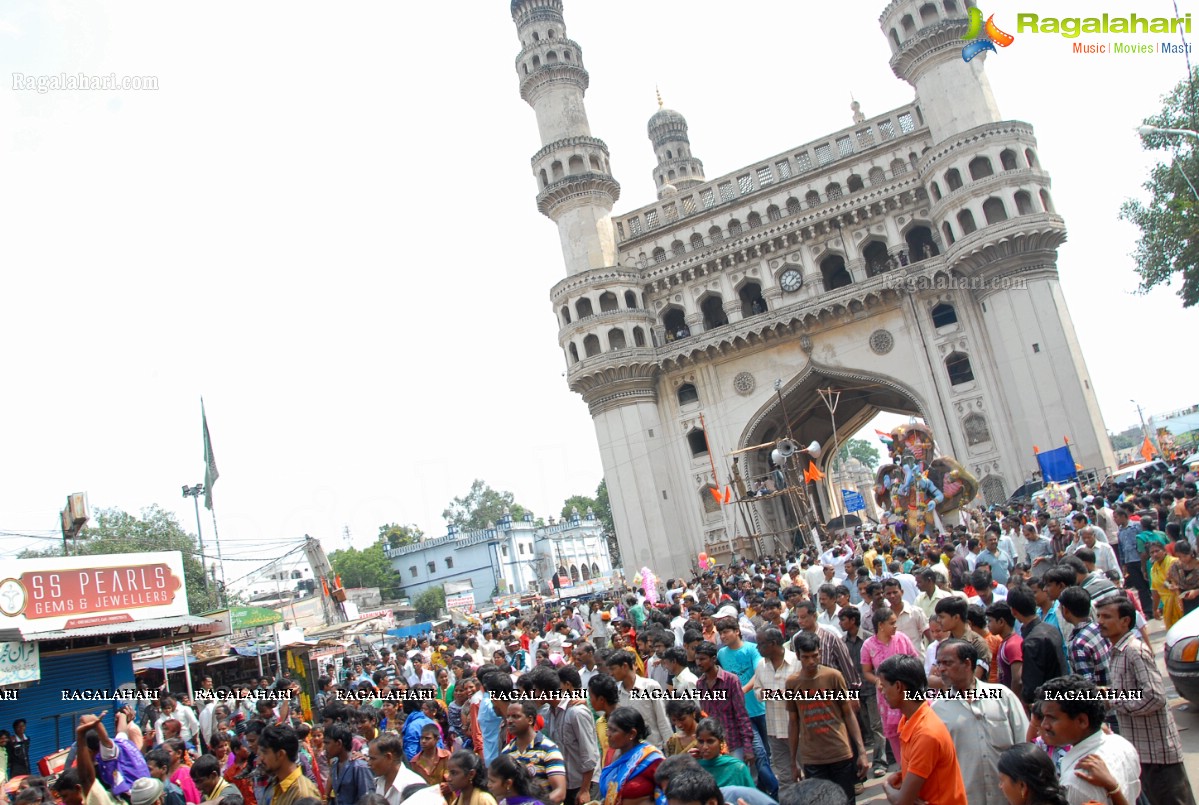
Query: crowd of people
(1008, 661)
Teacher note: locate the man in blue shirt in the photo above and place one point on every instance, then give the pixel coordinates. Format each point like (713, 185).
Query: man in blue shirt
(741, 659)
(992, 556)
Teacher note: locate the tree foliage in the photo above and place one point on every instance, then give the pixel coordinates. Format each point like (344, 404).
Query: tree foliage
(1128, 438)
(113, 531)
(862, 450)
(603, 513)
(366, 568)
(398, 536)
(429, 603)
(480, 506)
(1169, 219)
(580, 502)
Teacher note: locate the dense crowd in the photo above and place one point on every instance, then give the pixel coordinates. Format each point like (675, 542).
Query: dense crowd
(1007, 661)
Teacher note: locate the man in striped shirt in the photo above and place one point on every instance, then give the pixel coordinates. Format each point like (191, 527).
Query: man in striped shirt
(533, 750)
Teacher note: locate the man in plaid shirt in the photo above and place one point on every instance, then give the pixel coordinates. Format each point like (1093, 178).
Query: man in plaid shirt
(1145, 718)
(723, 699)
(1089, 649)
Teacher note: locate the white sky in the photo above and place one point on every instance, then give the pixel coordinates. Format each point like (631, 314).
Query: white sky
(324, 223)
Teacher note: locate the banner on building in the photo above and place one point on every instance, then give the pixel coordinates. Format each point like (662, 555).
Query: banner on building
(464, 602)
(47, 594)
(19, 662)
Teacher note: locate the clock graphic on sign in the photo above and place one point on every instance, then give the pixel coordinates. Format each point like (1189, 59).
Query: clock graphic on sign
(791, 280)
(12, 598)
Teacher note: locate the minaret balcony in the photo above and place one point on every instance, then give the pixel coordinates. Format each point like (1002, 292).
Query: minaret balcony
(578, 188)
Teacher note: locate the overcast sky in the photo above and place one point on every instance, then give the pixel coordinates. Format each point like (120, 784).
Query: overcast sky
(323, 221)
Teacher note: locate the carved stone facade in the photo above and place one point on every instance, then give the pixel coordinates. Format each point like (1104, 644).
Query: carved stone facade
(909, 260)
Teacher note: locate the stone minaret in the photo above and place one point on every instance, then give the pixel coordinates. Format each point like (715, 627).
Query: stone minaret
(677, 168)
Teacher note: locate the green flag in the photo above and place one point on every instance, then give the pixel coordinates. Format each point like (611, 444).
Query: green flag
(210, 472)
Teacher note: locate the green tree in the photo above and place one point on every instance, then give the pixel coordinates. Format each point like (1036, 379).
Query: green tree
(369, 567)
(1169, 220)
(580, 502)
(480, 506)
(860, 449)
(603, 513)
(1128, 438)
(397, 536)
(113, 531)
(429, 603)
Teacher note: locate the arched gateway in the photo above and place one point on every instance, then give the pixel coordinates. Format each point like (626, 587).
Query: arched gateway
(876, 290)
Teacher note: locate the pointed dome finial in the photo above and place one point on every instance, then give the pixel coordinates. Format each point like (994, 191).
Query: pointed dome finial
(659, 94)
(856, 108)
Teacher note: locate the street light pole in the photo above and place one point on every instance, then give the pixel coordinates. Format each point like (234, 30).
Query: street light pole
(1145, 428)
(194, 493)
(1146, 130)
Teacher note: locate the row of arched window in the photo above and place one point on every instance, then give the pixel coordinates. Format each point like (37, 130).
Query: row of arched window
(608, 301)
(592, 572)
(616, 338)
(995, 210)
(929, 13)
(575, 165)
(980, 168)
(735, 227)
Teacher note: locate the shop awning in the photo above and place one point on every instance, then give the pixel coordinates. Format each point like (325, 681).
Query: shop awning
(127, 627)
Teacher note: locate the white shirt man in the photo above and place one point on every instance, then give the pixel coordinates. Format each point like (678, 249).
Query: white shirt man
(1118, 755)
(910, 590)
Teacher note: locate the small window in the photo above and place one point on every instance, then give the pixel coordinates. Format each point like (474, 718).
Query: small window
(520, 547)
(635, 225)
(687, 394)
(774, 213)
(803, 162)
(958, 367)
(651, 219)
(877, 176)
(754, 220)
(412, 570)
(947, 231)
(824, 154)
(887, 129)
(793, 206)
(784, 169)
(994, 211)
(745, 184)
(734, 227)
(765, 176)
(698, 442)
(432, 567)
(1023, 203)
(659, 255)
(898, 167)
(844, 146)
(966, 222)
(449, 563)
(833, 191)
(953, 179)
(689, 205)
(1036, 347)
(934, 190)
(944, 314)
(726, 191)
(1007, 158)
(865, 137)
(906, 124)
(708, 198)
(672, 212)
(812, 198)
(677, 248)
(980, 168)
(697, 241)
(1030, 156)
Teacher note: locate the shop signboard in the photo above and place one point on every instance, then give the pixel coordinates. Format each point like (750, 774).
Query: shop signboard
(47, 594)
(19, 663)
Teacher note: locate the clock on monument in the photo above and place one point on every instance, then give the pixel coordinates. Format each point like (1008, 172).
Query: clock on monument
(791, 280)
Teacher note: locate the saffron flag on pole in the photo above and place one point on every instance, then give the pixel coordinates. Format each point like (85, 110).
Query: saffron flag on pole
(210, 471)
(1147, 450)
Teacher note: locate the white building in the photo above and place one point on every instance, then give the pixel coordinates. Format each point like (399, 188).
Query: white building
(909, 259)
(279, 578)
(515, 556)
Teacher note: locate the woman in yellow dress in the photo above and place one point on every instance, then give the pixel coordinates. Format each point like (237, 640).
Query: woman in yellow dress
(1165, 594)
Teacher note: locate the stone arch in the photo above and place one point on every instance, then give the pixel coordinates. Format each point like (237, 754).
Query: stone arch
(586, 571)
(1007, 159)
(574, 353)
(566, 54)
(898, 167)
(574, 573)
(834, 273)
(594, 162)
(1023, 203)
(921, 243)
(575, 165)
(877, 259)
(895, 40)
(536, 62)
(715, 235)
(595, 571)
(697, 442)
(994, 210)
(953, 179)
(993, 489)
(929, 14)
(793, 206)
(591, 345)
(752, 301)
(608, 302)
(687, 394)
(638, 337)
(934, 190)
(556, 170)
(966, 222)
(957, 365)
(908, 24)
(707, 498)
(980, 168)
(812, 198)
(675, 322)
(974, 425)
(616, 340)
(551, 57)
(630, 300)
(583, 308)
(712, 306)
(565, 314)
(854, 183)
(947, 232)
(1030, 156)
(832, 191)
(659, 254)
(677, 248)
(1046, 201)
(773, 213)
(877, 176)
(753, 220)
(545, 180)
(944, 314)
(951, 7)
(734, 227)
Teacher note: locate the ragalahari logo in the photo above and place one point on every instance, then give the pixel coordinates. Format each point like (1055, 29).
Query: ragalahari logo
(983, 36)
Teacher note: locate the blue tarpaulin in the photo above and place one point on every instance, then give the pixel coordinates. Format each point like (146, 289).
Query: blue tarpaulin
(415, 630)
(1057, 465)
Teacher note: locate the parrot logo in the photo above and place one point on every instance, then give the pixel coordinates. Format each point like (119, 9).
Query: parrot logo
(983, 36)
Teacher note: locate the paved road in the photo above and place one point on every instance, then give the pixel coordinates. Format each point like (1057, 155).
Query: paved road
(1186, 716)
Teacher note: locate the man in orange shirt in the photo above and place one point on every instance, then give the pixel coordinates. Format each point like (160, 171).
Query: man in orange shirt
(929, 770)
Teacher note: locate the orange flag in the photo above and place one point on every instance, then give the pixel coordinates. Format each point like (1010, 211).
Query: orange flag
(1147, 450)
(812, 474)
(1035, 450)
(728, 494)
(715, 490)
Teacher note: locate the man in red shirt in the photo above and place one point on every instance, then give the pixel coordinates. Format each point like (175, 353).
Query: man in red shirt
(929, 770)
